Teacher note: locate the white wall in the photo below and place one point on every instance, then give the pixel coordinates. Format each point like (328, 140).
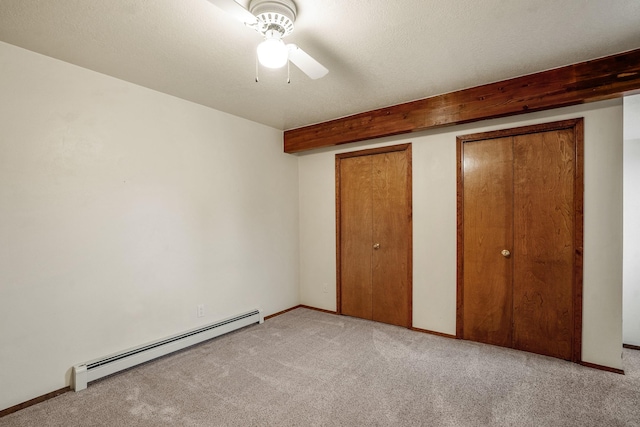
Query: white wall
(434, 224)
(631, 269)
(121, 209)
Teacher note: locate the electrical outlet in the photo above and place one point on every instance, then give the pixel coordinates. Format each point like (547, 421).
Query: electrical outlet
(325, 288)
(200, 310)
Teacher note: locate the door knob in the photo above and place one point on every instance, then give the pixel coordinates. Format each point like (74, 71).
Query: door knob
(505, 253)
(376, 246)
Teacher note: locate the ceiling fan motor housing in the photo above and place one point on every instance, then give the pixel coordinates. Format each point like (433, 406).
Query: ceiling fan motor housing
(275, 15)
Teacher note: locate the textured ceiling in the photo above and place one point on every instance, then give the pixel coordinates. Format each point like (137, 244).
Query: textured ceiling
(379, 52)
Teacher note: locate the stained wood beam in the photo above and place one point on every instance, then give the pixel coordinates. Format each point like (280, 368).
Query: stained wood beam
(605, 78)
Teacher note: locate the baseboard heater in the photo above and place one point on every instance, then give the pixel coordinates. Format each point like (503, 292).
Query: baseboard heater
(84, 373)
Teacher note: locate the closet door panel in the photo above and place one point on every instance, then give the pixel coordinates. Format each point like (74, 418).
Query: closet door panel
(488, 221)
(391, 238)
(356, 223)
(544, 250)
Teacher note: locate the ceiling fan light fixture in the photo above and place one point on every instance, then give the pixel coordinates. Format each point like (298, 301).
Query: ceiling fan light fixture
(273, 53)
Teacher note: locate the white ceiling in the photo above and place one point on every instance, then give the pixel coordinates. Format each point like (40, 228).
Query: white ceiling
(379, 52)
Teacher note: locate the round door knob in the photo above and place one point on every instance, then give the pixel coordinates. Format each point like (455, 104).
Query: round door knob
(505, 253)
(376, 246)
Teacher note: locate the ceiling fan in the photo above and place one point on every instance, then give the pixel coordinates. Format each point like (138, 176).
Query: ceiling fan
(274, 19)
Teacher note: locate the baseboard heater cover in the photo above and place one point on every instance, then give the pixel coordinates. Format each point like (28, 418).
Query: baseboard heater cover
(84, 373)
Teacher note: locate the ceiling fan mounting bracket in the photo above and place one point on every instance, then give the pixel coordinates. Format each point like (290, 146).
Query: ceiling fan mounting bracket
(274, 15)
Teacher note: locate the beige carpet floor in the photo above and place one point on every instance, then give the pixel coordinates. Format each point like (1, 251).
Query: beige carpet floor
(307, 368)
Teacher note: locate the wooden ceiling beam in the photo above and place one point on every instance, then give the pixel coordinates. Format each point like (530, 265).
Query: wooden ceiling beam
(605, 78)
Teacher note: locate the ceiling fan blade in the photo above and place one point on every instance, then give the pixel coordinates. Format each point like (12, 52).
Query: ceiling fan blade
(236, 10)
(306, 63)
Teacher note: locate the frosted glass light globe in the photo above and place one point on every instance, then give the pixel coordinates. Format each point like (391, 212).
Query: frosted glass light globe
(272, 53)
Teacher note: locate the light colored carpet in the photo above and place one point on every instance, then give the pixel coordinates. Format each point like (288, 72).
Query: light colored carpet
(307, 368)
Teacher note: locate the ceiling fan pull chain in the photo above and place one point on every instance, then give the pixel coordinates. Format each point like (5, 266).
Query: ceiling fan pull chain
(257, 69)
(288, 72)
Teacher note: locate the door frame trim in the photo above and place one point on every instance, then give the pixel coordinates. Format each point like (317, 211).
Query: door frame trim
(578, 128)
(370, 152)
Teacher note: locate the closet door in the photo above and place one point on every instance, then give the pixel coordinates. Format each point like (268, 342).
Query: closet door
(543, 215)
(520, 238)
(356, 225)
(391, 239)
(373, 216)
(488, 226)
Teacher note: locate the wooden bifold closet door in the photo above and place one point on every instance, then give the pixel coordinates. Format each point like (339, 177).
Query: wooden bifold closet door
(373, 216)
(520, 238)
